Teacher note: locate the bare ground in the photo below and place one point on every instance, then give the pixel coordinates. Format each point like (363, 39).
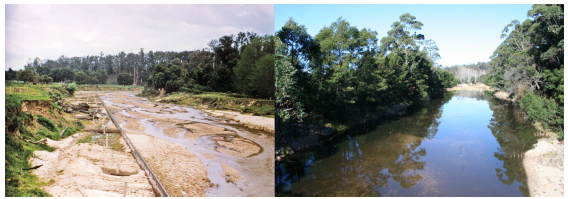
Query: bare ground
(253, 122)
(475, 87)
(180, 171)
(544, 166)
(83, 169)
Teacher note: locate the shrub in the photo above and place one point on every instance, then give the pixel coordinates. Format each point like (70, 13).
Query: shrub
(543, 110)
(72, 88)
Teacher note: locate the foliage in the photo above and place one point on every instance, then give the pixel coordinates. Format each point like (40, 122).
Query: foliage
(11, 74)
(343, 73)
(80, 77)
(256, 68)
(242, 64)
(544, 110)
(288, 105)
(26, 75)
(124, 79)
(72, 88)
(531, 60)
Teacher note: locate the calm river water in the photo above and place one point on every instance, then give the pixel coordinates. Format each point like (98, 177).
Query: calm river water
(464, 144)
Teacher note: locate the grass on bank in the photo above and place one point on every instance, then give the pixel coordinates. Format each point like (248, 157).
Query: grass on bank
(222, 101)
(25, 128)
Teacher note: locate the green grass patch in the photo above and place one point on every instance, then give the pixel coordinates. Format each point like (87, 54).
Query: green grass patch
(223, 101)
(109, 87)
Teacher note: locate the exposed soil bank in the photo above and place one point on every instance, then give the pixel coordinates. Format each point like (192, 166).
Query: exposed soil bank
(544, 166)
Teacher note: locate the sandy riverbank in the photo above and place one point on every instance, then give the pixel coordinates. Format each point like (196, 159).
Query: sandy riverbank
(253, 122)
(470, 87)
(544, 166)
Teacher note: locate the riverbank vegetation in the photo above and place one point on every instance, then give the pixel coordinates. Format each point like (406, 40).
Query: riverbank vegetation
(345, 75)
(30, 117)
(244, 66)
(242, 63)
(529, 64)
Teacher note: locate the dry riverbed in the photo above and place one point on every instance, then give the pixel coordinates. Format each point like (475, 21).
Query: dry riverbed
(194, 154)
(86, 169)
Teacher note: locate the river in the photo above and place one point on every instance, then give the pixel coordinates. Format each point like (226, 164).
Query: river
(466, 143)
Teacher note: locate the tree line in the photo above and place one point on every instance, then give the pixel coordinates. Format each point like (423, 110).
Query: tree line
(232, 63)
(344, 72)
(469, 73)
(529, 64)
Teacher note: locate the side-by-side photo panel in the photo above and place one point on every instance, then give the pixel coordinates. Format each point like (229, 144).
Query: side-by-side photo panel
(139, 100)
(419, 100)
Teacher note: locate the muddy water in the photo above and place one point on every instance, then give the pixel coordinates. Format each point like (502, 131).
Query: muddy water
(465, 144)
(253, 160)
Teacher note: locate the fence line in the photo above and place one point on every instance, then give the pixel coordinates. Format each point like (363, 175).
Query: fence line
(157, 187)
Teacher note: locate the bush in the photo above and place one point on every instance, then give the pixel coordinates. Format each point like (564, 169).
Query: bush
(124, 79)
(544, 110)
(72, 88)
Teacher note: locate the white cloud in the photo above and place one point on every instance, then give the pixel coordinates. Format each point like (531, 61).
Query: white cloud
(49, 31)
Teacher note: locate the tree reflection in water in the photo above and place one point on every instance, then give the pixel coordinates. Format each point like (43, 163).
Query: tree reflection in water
(515, 137)
(358, 170)
(391, 160)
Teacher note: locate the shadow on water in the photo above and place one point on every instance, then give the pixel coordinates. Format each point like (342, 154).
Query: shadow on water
(389, 158)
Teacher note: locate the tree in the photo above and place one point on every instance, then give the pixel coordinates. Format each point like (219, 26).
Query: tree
(254, 72)
(299, 43)
(124, 79)
(45, 79)
(62, 74)
(288, 103)
(80, 77)
(26, 75)
(11, 74)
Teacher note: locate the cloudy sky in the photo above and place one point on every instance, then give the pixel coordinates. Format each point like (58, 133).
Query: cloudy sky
(49, 31)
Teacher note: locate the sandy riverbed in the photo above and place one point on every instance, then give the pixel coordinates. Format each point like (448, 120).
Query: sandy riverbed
(544, 166)
(193, 154)
(83, 170)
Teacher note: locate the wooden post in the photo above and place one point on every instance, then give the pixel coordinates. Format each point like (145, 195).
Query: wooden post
(106, 136)
(125, 188)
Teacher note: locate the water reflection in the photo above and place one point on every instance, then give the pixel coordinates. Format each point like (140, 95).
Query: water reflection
(464, 144)
(515, 136)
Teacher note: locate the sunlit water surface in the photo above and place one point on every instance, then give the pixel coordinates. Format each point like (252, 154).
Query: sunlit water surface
(464, 144)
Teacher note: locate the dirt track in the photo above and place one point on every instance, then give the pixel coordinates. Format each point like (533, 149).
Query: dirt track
(194, 154)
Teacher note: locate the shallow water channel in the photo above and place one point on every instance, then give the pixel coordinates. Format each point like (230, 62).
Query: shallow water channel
(466, 143)
(256, 168)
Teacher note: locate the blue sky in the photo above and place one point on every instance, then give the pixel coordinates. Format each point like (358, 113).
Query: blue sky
(464, 33)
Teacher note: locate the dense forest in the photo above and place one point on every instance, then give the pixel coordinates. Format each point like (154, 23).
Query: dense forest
(469, 73)
(345, 73)
(529, 64)
(241, 63)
